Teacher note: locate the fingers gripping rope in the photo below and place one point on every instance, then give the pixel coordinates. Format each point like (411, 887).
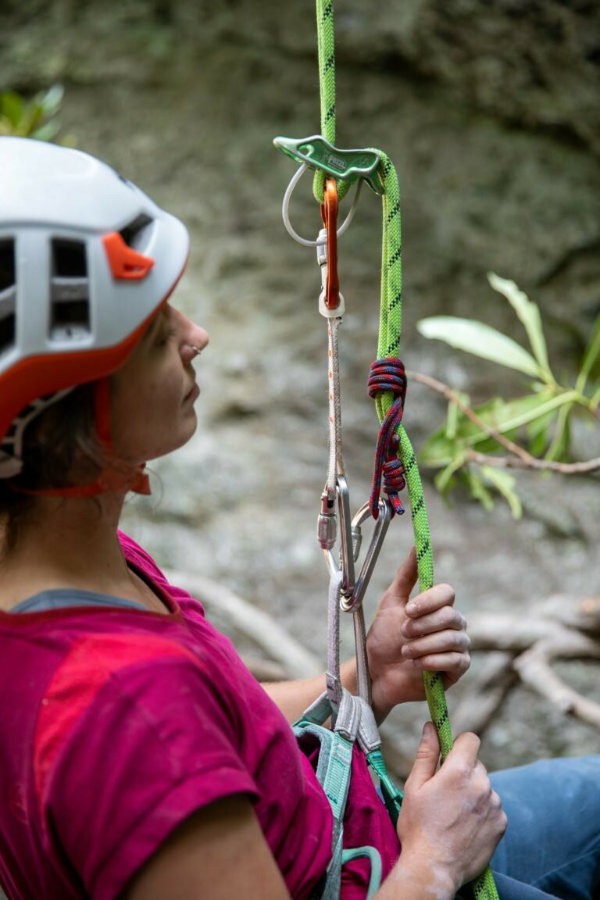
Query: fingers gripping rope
(388, 375)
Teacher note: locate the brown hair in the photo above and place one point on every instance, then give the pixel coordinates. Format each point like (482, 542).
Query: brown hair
(60, 448)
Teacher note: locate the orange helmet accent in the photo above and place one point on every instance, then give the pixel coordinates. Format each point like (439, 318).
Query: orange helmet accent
(114, 477)
(35, 376)
(108, 480)
(124, 261)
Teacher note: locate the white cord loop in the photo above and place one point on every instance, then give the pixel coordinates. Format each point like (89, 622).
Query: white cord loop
(285, 211)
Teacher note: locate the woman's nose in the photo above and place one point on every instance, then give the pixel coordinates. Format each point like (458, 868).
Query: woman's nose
(199, 336)
(195, 339)
(190, 332)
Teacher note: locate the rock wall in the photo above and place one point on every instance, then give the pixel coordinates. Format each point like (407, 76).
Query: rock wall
(489, 111)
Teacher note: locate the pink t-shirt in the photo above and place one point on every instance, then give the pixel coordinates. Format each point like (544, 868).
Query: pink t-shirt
(118, 723)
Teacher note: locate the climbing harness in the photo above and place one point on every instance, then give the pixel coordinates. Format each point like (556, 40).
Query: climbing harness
(352, 718)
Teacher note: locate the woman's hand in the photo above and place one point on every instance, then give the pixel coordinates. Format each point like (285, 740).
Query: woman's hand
(451, 820)
(407, 638)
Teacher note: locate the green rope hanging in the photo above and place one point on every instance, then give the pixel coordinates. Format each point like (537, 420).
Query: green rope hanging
(390, 329)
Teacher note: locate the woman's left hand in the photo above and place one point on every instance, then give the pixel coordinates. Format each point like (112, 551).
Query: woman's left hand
(408, 637)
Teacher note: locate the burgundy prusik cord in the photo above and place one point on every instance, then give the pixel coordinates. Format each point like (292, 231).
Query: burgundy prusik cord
(388, 374)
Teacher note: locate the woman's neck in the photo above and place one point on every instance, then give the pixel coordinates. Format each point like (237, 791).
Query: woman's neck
(68, 542)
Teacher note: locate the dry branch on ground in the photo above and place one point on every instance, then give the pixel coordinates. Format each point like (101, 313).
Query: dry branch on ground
(520, 648)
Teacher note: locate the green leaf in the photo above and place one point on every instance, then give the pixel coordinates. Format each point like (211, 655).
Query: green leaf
(504, 417)
(537, 433)
(51, 101)
(47, 132)
(5, 126)
(438, 450)
(480, 340)
(451, 421)
(504, 483)
(559, 448)
(444, 486)
(443, 479)
(537, 444)
(453, 414)
(540, 425)
(590, 357)
(529, 314)
(11, 105)
(33, 117)
(478, 490)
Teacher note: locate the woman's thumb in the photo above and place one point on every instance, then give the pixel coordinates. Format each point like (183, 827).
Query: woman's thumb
(427, 757)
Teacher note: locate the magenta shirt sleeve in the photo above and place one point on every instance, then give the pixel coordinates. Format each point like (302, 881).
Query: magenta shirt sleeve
(172, 749)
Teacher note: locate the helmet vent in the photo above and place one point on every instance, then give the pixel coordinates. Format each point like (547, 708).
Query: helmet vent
(7, 332)
(7, 265)
(136, 234)
(70, 319)
(8, 295)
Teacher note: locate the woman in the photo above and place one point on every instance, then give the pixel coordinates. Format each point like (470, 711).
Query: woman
(138, 757)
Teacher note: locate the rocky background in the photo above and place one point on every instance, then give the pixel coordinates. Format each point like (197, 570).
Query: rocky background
(490, 112)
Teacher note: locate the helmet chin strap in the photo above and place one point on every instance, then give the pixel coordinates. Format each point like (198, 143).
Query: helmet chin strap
(117, 474)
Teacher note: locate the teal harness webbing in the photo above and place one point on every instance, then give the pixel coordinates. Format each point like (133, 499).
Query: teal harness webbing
(353, 722)
(334, 769)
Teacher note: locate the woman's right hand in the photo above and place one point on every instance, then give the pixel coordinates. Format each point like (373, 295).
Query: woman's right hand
(451, 819)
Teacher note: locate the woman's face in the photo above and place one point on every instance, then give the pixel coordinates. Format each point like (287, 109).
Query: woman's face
(153, 394)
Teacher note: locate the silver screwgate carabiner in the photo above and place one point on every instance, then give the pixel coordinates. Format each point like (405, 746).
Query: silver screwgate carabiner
(354, 603)
(327, 533)
(353, 588)
(346, 544)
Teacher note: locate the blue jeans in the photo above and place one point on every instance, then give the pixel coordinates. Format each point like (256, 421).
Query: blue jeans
(551, 848)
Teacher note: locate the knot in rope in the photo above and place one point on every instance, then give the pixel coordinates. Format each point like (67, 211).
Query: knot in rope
(388, 375)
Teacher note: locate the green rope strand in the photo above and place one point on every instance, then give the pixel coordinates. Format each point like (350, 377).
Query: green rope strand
(390, 328)
(326, 53)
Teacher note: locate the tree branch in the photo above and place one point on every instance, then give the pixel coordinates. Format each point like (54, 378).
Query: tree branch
(519, 458)
(486, 694)
(277, 644)
(512, 462)
(453, 397)
(522, 646)
(534, 668)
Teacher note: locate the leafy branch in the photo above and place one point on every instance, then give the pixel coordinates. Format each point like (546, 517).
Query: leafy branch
(35, 118)
(466, 447)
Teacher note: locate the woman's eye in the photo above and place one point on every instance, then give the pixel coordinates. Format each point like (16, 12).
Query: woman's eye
(166, 338)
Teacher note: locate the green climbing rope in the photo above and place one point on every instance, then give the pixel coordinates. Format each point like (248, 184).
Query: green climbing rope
(326, 49)
(390, 329)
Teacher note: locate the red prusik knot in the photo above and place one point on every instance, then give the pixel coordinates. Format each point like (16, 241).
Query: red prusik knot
(388, 375)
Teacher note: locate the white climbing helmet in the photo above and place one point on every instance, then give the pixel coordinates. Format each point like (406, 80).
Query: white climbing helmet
(86, 261)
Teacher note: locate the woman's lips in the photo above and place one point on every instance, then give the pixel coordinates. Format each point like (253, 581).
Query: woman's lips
(193, 394)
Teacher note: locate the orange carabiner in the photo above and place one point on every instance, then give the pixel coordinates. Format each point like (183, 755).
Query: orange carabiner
(329, 214)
